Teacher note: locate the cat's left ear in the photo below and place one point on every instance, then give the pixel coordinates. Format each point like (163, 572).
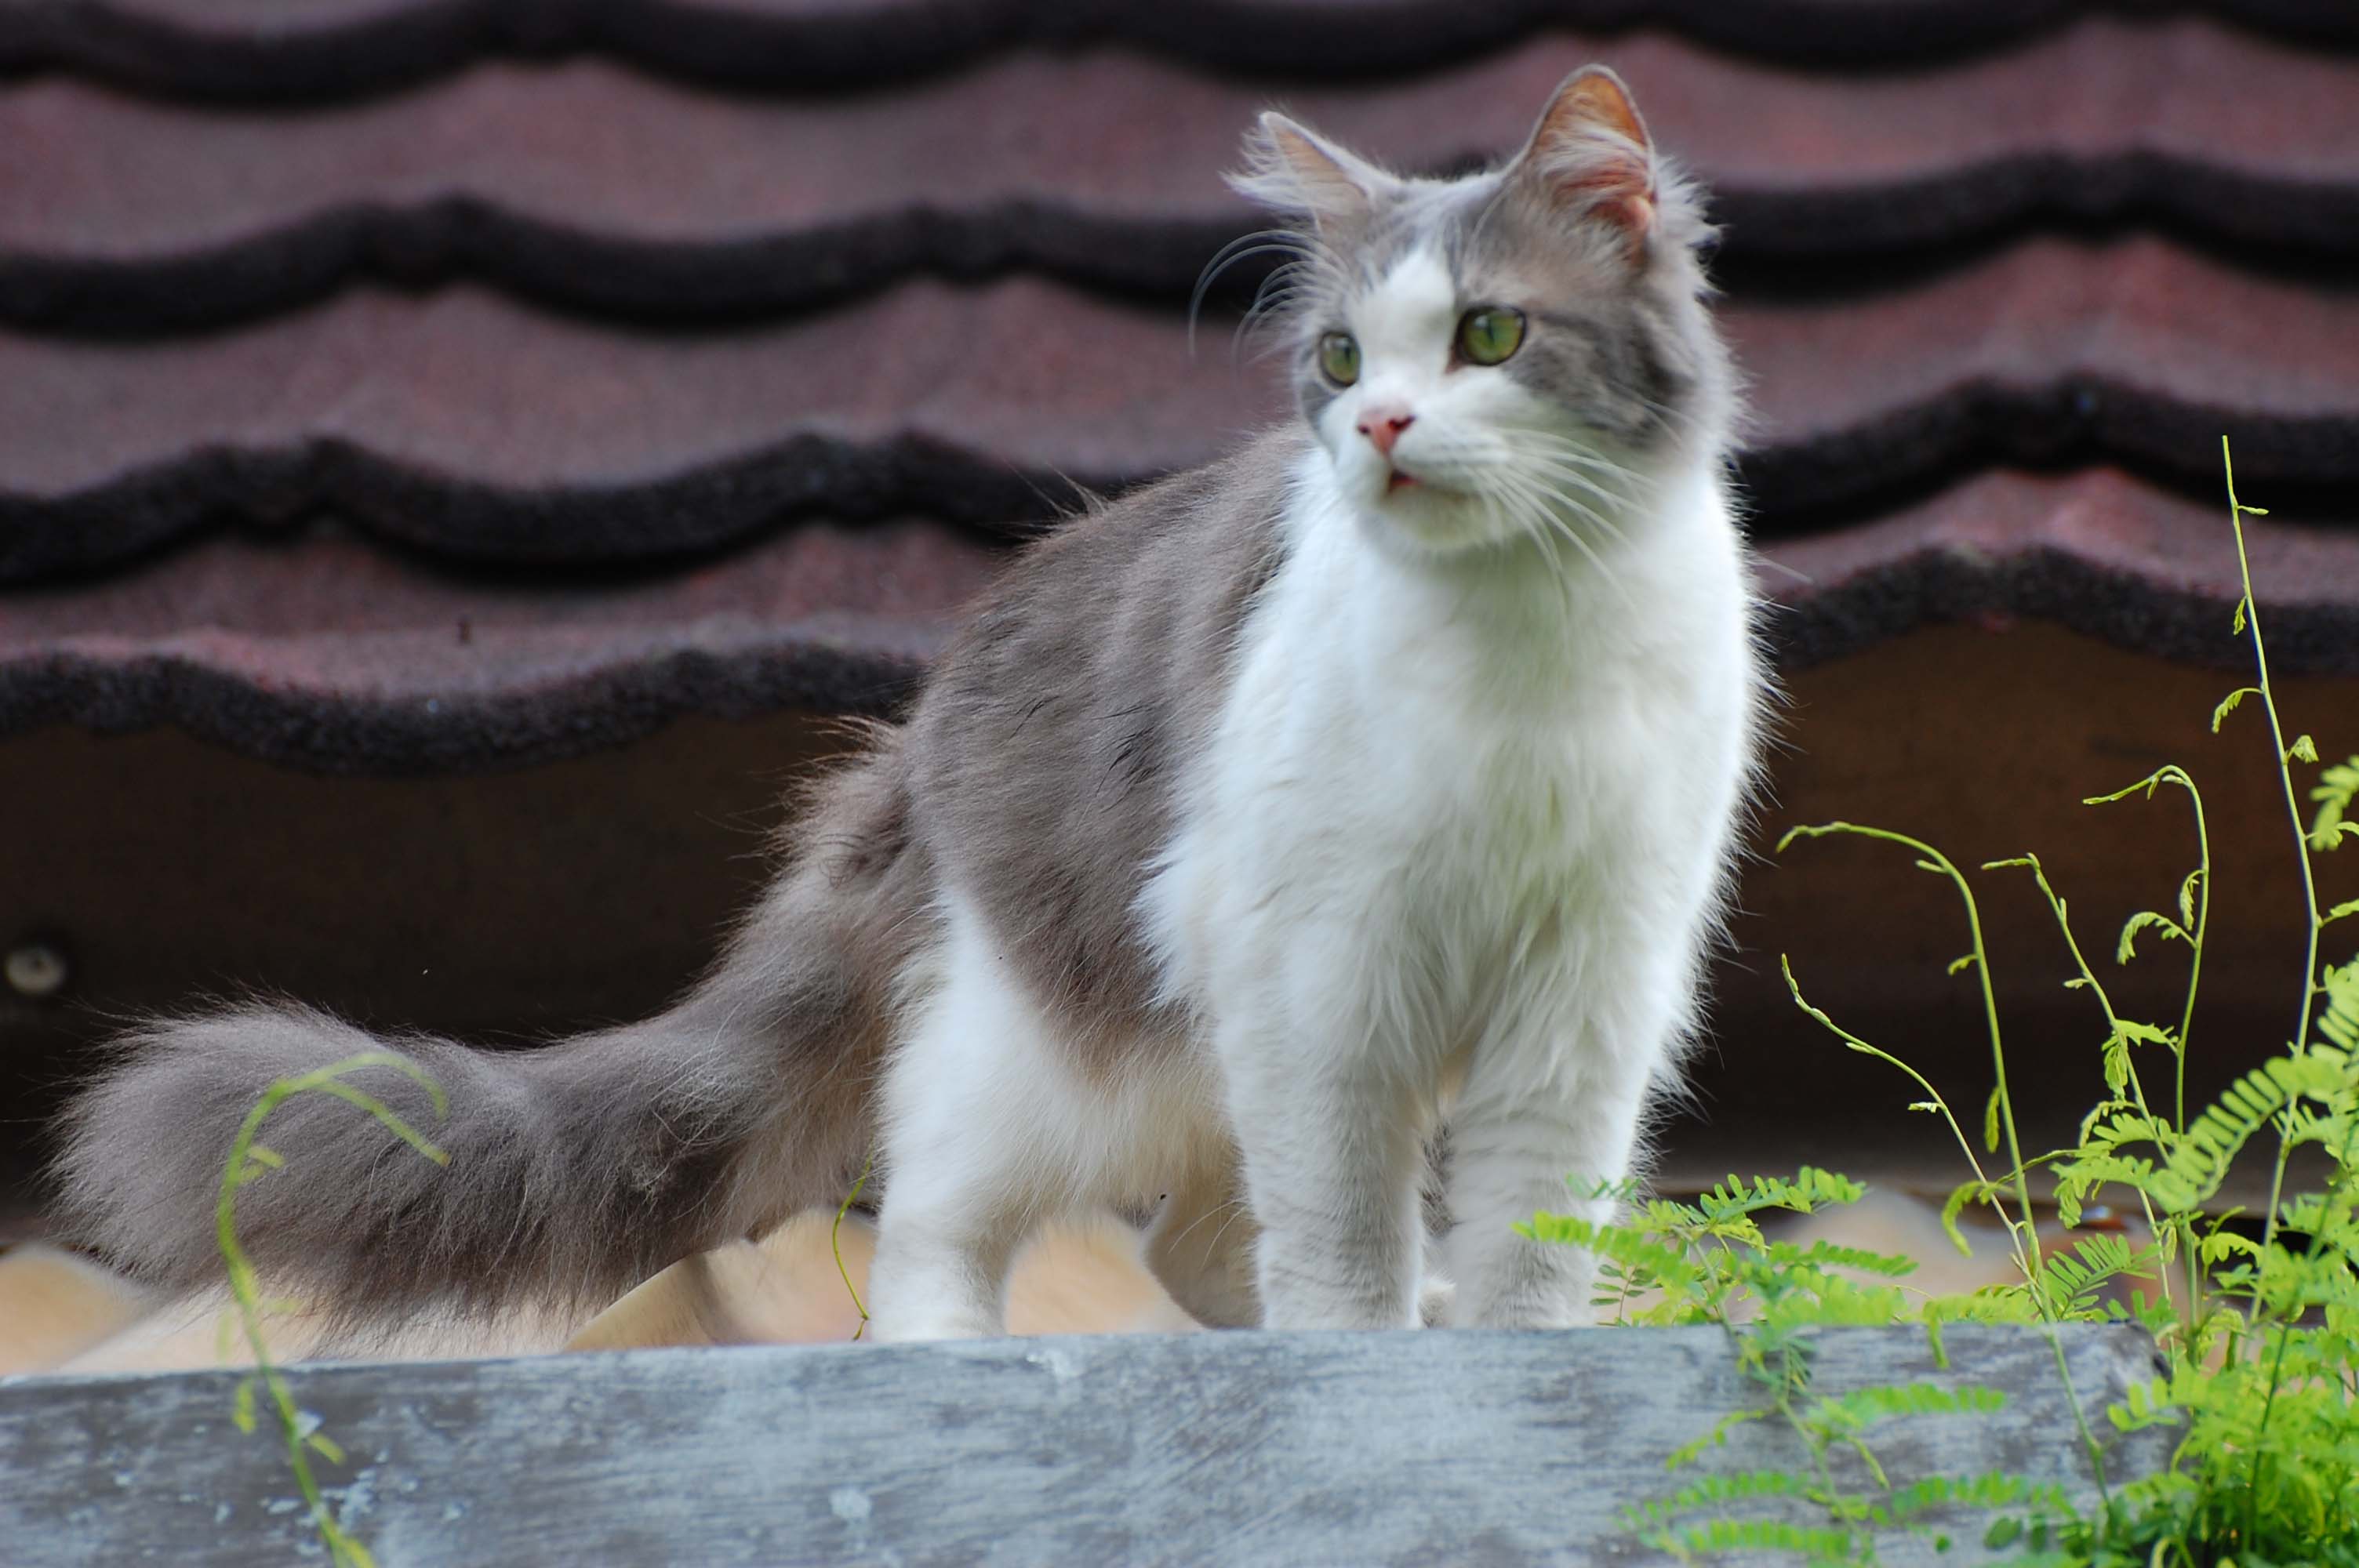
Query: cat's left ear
(1295, 170)
(1589, 156)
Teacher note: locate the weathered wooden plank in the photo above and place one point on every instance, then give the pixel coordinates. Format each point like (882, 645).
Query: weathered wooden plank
(1405, 1448)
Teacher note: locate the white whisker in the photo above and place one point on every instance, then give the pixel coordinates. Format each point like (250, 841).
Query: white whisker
(1303, 248)
(1539, 513)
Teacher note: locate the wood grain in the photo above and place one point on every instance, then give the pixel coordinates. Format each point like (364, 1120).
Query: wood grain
(1413, 1448)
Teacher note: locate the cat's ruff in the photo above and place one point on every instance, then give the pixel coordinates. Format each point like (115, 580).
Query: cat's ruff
(1384, 774)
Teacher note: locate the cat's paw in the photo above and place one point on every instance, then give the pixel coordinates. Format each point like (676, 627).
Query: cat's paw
(1435, 1296)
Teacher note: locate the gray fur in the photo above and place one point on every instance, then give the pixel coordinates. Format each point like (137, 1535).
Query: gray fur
(1044, 750)
(1035, 775)
(576, 1170)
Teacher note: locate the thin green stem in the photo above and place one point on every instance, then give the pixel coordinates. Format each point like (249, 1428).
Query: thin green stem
(1932, 1095)
(2027, 1245)
(2236, 515)
(2195, 937)
(2201, 924)
(835, 1245)
(2285, 1330)
(2089, 1444)
(2113, 1024)
(2026, 1239)
(249, 1162)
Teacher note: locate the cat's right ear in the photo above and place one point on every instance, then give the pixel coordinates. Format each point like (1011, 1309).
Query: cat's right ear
(1292, 169)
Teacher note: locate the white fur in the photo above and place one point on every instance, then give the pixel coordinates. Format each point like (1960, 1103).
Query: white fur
(991, 1128)
(1456, 846)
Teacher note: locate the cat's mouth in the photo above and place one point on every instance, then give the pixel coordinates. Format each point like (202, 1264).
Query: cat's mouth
(1399, 481)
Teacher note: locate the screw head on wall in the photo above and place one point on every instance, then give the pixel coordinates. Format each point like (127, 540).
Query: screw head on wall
(36, 969)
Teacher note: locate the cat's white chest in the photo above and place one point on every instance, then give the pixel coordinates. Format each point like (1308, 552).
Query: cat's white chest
(1428, 798)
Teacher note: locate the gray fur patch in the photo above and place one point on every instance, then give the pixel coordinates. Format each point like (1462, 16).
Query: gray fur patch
(1046, 751)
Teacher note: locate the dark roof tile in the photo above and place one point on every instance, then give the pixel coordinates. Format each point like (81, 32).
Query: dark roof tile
(327, 653)
(585, 185)
(2094, 551)
(2055, 351)
(462, 424)
(250, 49)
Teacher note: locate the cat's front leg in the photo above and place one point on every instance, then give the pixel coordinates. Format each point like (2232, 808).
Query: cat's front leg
(1518, 1132)
(1333, 1151)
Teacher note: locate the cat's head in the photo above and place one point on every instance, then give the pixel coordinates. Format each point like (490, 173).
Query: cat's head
(1485, 358)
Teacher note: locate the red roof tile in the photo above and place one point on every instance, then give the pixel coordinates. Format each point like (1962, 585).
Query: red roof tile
(326, 653)
(329, 653)
(223, 49)
(464, 424)
(2094, 551)
(2052, 351)
(584, 185)
(546, 535)
(460, 422)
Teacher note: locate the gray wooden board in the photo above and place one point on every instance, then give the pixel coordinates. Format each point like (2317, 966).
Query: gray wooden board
(1412, 1448)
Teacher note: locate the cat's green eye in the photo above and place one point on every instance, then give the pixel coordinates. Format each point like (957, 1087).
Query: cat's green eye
(1339, 357)
(1490, 334)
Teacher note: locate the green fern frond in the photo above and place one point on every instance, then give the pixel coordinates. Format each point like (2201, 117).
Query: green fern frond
(2340, 1020)
(2199, 1159)
(1820, 1543)
(1832, 1255)
(2071, 1280)
(2228, 704)
(1991, 1489)
(2336, 788)
(1720, 1490)
(1810, 1189)
(1862, 1408)
(2126, 948)
(1632, 1250)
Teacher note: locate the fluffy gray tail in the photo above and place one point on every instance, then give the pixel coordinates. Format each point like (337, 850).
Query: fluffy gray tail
(575, 1170)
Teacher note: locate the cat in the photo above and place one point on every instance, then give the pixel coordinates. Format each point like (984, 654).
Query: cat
(1385, 772)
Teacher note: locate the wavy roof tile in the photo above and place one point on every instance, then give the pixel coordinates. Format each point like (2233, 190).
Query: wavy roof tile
(583, 185)
(955, 284)
(464, 424)
(337, 48)
(328, 653)
(426, 388)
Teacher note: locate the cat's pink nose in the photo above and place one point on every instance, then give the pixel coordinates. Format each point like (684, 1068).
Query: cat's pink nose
(1383, 426)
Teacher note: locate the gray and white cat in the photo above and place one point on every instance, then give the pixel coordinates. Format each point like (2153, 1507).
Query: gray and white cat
(1383, 773)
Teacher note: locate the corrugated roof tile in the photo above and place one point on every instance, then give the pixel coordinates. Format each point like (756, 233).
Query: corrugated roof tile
(583, 185)
(328, 652)
(460, 422)
(252, 50)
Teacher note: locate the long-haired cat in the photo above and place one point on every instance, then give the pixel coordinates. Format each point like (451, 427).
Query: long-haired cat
(1383, 773)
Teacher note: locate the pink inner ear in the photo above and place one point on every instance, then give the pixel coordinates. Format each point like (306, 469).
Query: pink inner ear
(1595, 102)
(1622, 193)
(1594, 119)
